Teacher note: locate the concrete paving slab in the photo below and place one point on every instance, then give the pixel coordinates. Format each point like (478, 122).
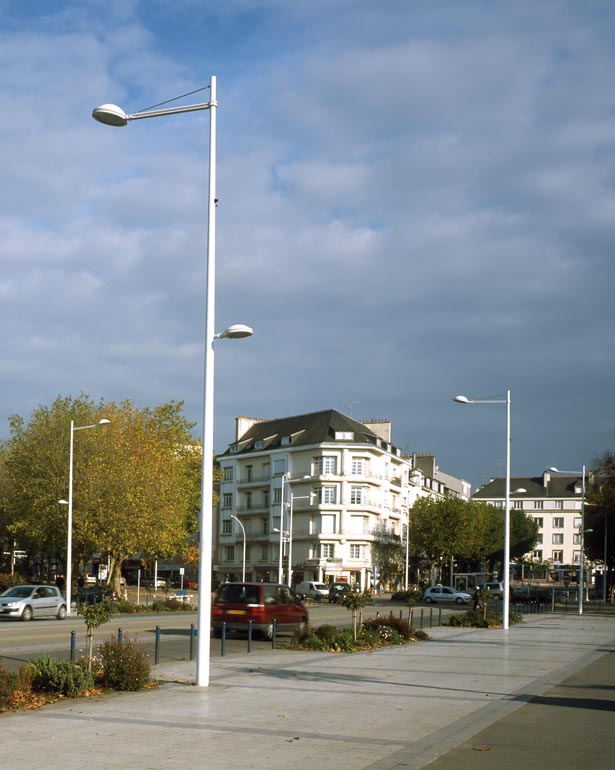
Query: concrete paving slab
(388, 709)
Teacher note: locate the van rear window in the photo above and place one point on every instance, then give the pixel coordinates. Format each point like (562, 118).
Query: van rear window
(238, 594)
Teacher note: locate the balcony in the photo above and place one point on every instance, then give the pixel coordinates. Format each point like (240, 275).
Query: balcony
(254, 481)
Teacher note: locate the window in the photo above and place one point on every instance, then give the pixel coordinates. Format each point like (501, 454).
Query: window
(356, 551)
(328, 495)
(558, 505)
(539, 537)
(537, 555)
(358, 466)
(558, 522)
(325, 465)
(557, 556)
(558, 538)
(263, 555)
(228, 473)
(249, 469)
(229, 553)
(576, 538)
(577, 521)
(227, 526)
(358, 524)
(266, 498)
(538, 505)
(248, 500)
(576, 557)
(326, 550)
(539, 521)
(327, 524)
(265, 525)
(356, 495)
(279, 466)
(277, 495)
(344, 435)
(518, 504)
(227, 500)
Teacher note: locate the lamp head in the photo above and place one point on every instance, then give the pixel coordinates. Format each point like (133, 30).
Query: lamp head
(104, 421)
(462, 400)
(63, 502)
(553, 469)
(235, 332)
(110, 115)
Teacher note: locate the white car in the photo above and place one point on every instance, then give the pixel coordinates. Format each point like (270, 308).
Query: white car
(445, 594)
(32, 601)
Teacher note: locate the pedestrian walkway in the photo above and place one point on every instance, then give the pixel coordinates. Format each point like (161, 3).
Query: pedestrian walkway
(540, 692)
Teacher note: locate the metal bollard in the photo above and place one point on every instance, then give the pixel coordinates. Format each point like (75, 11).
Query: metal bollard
(275, 628)
(192, 635)
(401, 614)
(421, 626)
(222, 640)
(157, 647)
(249, 636)
(73, 646)
(431, 617)
(439, 616)
(120, 635)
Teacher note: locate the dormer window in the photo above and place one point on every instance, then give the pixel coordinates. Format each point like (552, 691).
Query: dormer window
(259, 444)
(344, 435)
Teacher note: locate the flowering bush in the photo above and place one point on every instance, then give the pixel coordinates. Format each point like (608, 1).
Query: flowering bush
(123, 665)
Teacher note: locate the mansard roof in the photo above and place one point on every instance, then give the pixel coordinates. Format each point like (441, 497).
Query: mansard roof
(303, 430)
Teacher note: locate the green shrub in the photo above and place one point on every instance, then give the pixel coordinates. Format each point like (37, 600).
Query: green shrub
(125, 608)
(327, 633)
(60, 677)
(124, 666)
(9, 681)
(480, 619)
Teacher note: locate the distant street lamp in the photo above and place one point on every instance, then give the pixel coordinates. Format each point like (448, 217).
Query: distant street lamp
(69, 502)
(506, 570)
(243, 530)
(112, 115)
(581, 532)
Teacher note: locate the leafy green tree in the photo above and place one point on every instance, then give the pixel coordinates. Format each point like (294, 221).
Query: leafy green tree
(94, 616)
(355, 601)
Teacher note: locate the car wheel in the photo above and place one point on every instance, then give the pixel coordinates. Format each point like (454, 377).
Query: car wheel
(428, 600)
(61, 613)
(26, 615)
(458, 600)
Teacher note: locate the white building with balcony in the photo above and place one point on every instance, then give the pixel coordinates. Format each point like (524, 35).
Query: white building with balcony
(318, 486)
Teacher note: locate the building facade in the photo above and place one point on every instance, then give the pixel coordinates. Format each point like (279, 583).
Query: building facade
(554, 501)
(307, 495)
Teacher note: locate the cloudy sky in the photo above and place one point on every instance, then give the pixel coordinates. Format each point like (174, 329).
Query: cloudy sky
(417, 200)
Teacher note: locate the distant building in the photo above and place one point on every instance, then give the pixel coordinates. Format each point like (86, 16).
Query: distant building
(336, 479)
(554, 501)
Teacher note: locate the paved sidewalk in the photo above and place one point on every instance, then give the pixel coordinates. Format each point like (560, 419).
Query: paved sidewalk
(394, 708)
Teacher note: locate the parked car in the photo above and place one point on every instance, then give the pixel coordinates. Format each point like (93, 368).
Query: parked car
(337, 591)
(445, 594)
(312, 589)
(94, 595)
(156, 583)
(237, 603)
(32, 601)
(495, 588)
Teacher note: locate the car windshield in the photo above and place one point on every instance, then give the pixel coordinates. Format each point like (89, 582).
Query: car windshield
(238, 593)
(18, 592)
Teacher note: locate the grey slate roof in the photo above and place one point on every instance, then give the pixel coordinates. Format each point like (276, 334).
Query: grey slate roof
(557, 487)
(305, 429)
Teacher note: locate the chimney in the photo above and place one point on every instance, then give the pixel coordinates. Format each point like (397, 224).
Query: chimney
(546, 478)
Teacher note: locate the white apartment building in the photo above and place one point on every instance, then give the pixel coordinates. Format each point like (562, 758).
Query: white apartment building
(315, 486)
(554, 501)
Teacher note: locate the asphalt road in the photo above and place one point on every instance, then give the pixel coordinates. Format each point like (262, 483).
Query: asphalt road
(21, 642)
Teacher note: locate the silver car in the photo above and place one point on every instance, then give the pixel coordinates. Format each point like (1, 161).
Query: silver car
(32, 601)
(445, 594)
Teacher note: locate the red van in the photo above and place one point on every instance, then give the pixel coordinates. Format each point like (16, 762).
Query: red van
(237, 603)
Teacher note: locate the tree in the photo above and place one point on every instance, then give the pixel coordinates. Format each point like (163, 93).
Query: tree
(388, 552)
(600, 512)
(135, 483)
(441, 530)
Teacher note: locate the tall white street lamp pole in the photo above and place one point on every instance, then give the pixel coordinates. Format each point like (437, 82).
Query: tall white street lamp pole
(281, 553)
(113, 115)
(506, 565)
(69, 502)
(243, 531)
(581, 533)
